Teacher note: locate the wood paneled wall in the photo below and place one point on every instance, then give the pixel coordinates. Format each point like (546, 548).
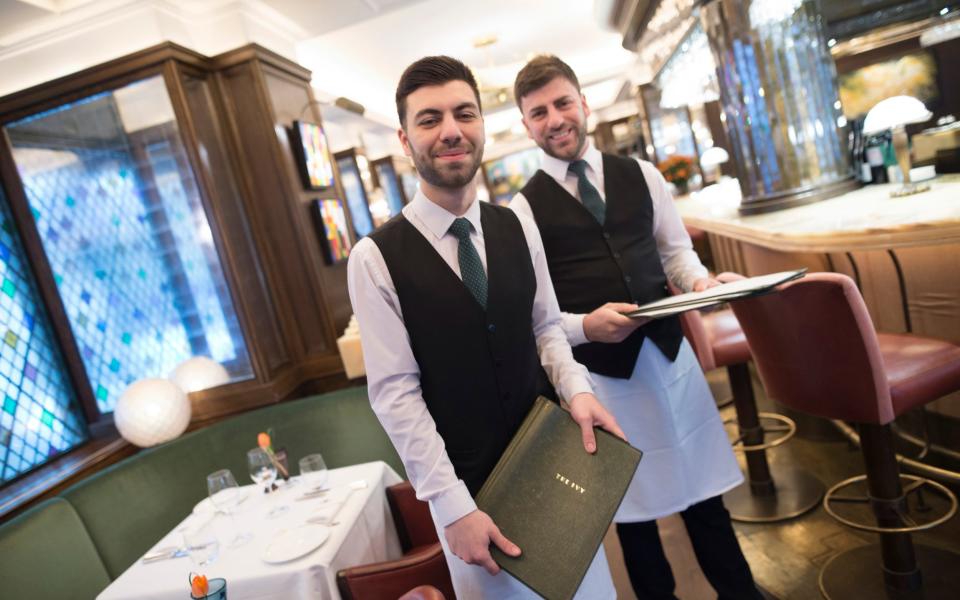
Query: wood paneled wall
(234, 113)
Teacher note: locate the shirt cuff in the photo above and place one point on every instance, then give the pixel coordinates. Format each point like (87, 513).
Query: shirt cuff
(576, 385)
(453, 504)
(692, 275)
(573, 328)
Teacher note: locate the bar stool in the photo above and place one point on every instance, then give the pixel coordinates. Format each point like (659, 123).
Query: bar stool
(718, 341)
(817, 352)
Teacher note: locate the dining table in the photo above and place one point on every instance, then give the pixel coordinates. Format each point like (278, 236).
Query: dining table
(293, 555)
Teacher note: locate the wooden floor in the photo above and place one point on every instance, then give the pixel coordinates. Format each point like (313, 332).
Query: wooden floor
(785, 557)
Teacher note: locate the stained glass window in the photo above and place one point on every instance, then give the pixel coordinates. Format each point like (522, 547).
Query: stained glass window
(40, 416)
(123, 227)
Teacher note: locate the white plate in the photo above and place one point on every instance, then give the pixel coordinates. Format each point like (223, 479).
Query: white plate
(294, 543)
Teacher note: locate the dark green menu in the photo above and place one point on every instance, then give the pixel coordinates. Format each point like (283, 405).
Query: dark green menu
(554, 500)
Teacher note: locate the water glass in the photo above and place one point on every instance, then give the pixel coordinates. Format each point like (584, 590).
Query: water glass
(224, 491)
(262, 470)
(264, 473)
(226, 496)
(313, 471)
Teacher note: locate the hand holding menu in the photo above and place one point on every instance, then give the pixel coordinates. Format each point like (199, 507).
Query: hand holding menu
(555, 501)
(751, 286)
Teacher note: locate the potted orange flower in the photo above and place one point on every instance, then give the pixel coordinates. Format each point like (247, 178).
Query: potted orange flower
(278, 457)
(677, 169)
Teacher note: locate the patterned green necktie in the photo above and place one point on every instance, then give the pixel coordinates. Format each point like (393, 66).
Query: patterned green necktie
(589, 195)
(471, 269)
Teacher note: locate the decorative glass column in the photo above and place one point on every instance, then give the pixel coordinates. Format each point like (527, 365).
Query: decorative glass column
(778, 88)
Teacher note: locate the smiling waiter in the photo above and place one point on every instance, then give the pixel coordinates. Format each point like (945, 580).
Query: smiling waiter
(461, 330)
(612, 237)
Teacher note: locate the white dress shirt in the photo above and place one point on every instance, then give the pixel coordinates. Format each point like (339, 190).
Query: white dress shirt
(680, 263)
(393, 375)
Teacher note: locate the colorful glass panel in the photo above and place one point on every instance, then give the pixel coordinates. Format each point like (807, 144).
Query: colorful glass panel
(40, 416)
(123, 227)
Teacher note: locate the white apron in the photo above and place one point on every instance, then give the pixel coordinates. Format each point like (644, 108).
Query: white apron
(667, 411)
(472, 582)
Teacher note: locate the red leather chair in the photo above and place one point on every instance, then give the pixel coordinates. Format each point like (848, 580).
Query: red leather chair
(817, 352)
(422, 565)
(719, 342)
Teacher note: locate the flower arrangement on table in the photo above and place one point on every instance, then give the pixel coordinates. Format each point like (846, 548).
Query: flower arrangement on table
(199, 586)
(264, 440)
(677, 169)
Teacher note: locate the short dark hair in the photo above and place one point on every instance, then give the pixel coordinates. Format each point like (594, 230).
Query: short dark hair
(432, 70)
(540, 71)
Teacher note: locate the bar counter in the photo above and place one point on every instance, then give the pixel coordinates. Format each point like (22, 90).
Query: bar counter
(864, 219)
(903, 253)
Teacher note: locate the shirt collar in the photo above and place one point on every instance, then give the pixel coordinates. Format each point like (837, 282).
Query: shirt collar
(438, 219)
(557, 168)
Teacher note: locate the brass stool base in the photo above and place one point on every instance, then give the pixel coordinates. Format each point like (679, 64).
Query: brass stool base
(797, 491)
(858, 573)
(833, 497)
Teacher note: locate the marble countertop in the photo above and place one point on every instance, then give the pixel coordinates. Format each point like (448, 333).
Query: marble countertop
(864, 219)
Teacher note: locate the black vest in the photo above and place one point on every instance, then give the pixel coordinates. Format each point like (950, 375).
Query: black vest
(592, 264)
(479, 370)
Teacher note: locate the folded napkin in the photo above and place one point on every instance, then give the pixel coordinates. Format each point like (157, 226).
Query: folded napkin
(331, 503)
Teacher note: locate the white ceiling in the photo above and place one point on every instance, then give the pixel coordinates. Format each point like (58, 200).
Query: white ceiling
(355, 48)
(363, 61)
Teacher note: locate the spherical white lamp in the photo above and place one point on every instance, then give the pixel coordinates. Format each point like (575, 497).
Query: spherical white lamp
(152, 411)
(711, 160)
(199, 373)
(895, 114)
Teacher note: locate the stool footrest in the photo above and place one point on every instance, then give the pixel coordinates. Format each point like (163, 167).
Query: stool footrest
(788, 426)
(915, 485)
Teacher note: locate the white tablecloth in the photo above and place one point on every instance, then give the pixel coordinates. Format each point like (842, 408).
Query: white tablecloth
(365, 534)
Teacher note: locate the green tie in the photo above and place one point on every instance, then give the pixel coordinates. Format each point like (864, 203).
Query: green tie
(471, 269)
(589, 195)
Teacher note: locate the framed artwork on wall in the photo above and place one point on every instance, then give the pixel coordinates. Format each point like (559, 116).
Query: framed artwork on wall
(313, 155)
(333, 228)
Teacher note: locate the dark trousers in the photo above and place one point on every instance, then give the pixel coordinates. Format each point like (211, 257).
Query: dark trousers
(714, 543)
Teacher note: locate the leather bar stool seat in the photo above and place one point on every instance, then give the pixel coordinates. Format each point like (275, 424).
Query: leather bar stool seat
(719, 342)
(727, 340)
(817, 352)
(918, 369)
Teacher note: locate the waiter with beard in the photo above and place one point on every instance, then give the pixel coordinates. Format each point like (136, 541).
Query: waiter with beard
(461, 329)
(612, 238)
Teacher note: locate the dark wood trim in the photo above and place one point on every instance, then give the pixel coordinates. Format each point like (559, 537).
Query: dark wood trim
(262, 127)
(257, 211)
(109, 75)
(256, 52)
(39, 267)
(241, 255)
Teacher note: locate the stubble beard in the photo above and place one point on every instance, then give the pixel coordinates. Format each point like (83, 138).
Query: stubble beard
(581, 132)
(451, 178)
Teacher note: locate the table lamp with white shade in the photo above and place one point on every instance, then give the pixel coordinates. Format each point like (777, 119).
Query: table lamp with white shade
(711, 159)
(151, 412)
(895, 114)
(199, 373)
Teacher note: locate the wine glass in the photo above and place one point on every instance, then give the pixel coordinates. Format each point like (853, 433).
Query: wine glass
(226, 496)
(313, 471)
(263, 473)
(262, 470)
